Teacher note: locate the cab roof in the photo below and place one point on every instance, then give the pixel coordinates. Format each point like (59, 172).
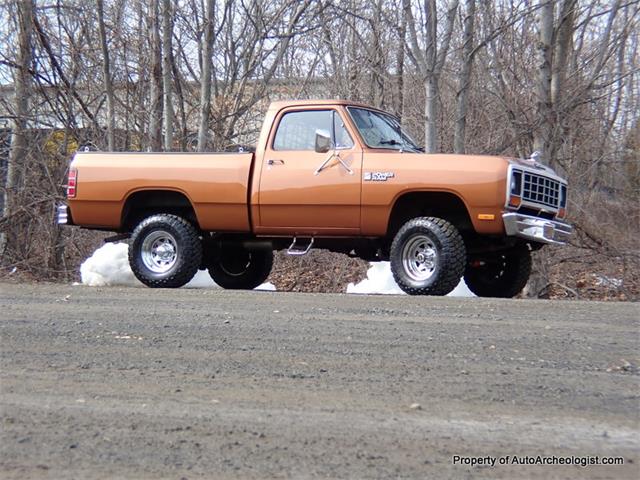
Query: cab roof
(280, 104)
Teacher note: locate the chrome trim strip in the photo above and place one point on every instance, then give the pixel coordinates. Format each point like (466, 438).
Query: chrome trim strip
(536, 229)
(62, 216)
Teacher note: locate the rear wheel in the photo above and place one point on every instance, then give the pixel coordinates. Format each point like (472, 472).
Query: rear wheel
(241, 269)
(427, 256)
(165, 251)
(501, 275)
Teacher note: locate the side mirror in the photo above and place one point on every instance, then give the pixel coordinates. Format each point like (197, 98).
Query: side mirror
(323, 141)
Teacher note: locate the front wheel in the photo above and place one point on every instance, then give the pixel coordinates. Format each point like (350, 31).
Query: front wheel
(501, 275)
(427, 256)
(165, 251)
(241, 269)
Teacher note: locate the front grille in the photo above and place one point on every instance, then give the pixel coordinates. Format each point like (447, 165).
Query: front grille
(540, 189)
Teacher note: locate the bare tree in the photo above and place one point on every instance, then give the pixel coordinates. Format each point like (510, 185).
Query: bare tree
(205, 80)
(155, 92)
(542, 135)
(430, 60)
(464, 78)
(564, 40)
(400, 54)
(376, 56)
(108, 83)
(21, 99)
(167, 74)
(251, 54)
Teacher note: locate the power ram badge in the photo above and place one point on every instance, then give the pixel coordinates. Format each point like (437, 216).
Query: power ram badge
(378, 176)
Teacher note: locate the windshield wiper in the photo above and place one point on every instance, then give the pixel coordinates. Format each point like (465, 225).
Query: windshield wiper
(403, 145)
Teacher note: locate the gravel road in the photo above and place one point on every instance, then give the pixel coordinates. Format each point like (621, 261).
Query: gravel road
(139, 383)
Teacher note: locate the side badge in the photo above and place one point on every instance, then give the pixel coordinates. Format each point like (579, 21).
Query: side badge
(377, 176)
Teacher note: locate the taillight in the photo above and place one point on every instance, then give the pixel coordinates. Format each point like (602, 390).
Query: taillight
(72, 182)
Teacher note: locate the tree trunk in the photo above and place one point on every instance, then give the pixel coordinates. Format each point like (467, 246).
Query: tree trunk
(167, 77)
(431, 114)
(542, 134)
(430, 81)
(377, 59)
(22, 94)
(155, 93)
(430, 60)
(464, 79)
(402, 35)
(57, 244)
(564, 39)
(178, 83)
(353, 66)
(205, 79)
(561, 55)
(106, 73)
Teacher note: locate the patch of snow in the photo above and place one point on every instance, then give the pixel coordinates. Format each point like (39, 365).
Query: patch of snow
(380, 281)
(604, 281)
(201, 279)
(109, 266)
(461, 290)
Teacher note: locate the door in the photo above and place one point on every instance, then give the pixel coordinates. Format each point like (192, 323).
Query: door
(306, 192)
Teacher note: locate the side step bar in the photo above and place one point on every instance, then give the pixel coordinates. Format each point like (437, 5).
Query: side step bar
(295, 249)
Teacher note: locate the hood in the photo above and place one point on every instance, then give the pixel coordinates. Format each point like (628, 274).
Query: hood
(532, 163)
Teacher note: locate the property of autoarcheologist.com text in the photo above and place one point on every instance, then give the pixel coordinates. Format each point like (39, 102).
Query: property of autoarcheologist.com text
(575, 460)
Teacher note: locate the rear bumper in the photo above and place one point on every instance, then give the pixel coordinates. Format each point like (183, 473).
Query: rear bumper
(63, 215)
(537, 229)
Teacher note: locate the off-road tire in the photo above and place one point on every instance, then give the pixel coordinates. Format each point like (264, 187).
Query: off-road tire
(187, 251)
(502, 275)
(240, 269)
(446, 247)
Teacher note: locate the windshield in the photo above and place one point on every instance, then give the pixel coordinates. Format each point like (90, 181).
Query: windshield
(381, 130)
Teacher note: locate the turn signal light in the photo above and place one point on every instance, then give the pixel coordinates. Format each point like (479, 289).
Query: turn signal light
(514, 201)
(562, 212)
(72, 183)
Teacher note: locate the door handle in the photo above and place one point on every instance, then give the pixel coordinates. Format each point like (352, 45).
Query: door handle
(272, 162)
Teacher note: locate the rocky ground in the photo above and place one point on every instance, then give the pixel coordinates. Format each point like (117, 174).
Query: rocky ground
(139, 383)
(319, 271)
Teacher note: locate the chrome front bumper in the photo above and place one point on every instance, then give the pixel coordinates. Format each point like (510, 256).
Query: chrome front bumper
(537, 229)
(63, 216)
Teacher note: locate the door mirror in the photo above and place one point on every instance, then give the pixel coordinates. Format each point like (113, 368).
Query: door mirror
(323, 141)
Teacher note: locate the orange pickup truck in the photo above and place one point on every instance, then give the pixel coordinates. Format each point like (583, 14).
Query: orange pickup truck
(326, 174)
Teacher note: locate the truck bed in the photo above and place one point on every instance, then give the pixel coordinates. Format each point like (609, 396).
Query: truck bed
(216, 184)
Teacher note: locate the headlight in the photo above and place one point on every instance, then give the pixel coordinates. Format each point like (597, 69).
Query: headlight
(516, 182)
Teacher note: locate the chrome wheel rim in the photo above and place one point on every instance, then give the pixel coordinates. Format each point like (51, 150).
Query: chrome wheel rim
(419, 258)
(159, 251)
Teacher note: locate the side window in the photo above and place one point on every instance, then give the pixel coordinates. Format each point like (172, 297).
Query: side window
(342, 139)
(297, 130)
